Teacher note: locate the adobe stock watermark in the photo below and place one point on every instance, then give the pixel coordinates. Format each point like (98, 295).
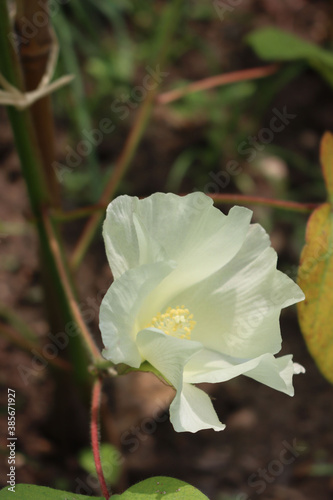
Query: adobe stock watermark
(251, 147)
(265, 476)
(133, 437)
(59, 341)
(223, 7)
(121, 107)
(40, 19)
(131, 440)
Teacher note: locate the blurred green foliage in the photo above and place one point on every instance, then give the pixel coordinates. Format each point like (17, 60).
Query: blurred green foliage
(272, 44)
(108, 45)
(111, 462)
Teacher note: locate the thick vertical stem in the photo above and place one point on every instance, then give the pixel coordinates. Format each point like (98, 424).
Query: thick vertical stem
(34, 53)
(38, 190)
(24, 134)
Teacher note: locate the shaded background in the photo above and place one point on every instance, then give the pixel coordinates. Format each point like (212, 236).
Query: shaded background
(109, 44)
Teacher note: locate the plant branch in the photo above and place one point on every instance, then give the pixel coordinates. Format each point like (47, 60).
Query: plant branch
(38, 191)
(292, 206)
(95, 438)
(217, 81)
(16, 338)
(118, 173)
(25, 137)
(66, 283)
(218, 198)
(34, 55)
(79, 213)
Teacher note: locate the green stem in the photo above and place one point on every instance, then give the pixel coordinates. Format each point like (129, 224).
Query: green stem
(79, 213)
(21, 122)
(168, 23)
(68, 291)
(34, 56)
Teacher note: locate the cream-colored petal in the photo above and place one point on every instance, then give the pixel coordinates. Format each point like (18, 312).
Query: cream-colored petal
(120, 307)
(214, 247)
(277, 374)
(127, 243)
(163, 226)
(213, 367)
(166, 353)
(192, 411)
(237, 309)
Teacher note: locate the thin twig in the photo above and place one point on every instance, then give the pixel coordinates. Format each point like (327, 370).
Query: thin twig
(95, 438)
(292, 206)
(17, 323)
(72, 303)
(79, 213)
(16, 338)
(216, 81)
(118, 173)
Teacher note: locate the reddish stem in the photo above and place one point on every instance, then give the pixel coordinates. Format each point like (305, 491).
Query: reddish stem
(216, 81)
(293, 206)
(94, 429)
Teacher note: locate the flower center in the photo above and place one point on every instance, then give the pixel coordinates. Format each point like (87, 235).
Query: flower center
(177, 322)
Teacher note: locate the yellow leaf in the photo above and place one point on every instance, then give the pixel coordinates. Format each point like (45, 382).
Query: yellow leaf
(315, 277)
(326, 158)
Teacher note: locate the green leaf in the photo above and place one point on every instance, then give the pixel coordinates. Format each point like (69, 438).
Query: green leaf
(159, 487)
(111, 462)
(153, 488)
(273, 44)
(321, 470)
(316, 271)
(31, 492)
(315, 279)
(326, 158)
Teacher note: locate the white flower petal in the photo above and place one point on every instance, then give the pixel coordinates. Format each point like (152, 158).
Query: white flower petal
(120, 308)
(298, 369)
(212, 250)
(192, 411)
(186, 229)
(210, 366)
(167, 354)
(168, 251)
(277, 374)
(237, 309)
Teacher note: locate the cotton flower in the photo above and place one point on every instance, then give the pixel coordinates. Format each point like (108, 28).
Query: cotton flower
(197, 296)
